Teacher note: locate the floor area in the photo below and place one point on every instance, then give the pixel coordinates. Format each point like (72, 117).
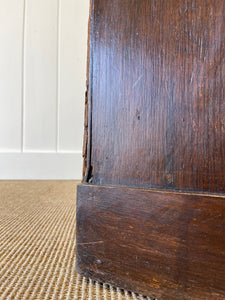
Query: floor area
(37, 245)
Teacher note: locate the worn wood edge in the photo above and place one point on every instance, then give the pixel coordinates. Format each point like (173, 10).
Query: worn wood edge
(114, 283)
(118, 281)
(88, 101)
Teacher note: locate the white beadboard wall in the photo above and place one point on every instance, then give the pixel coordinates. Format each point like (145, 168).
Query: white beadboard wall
(43, 46)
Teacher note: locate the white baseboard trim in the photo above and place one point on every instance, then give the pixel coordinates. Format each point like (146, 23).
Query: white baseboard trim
(41, 166)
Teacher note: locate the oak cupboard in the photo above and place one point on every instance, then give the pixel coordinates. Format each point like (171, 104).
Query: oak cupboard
(151, 208)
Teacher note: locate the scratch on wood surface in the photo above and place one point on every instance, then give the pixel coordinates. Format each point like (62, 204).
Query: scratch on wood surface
(91, 243)
(136, 82)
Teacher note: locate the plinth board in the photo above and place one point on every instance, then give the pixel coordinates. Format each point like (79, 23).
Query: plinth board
(157, 243)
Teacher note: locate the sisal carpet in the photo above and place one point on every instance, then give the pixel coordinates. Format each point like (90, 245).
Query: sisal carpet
(37, 245)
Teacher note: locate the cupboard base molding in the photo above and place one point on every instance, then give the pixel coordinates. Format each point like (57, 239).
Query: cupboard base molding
(163, 244)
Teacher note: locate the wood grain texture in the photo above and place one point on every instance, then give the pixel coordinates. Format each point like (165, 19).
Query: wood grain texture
(163, 244)
(158, 77)
(151, 214)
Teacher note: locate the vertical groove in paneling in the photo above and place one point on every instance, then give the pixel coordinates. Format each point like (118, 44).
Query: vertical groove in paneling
(42, 75)
(58, 74)
(23, 77)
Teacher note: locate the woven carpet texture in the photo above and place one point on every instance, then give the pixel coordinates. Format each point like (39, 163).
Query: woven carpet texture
(37, 245)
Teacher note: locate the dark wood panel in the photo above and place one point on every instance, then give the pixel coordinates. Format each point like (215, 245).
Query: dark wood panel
(163, 244)
(157, 94)
(155, 118)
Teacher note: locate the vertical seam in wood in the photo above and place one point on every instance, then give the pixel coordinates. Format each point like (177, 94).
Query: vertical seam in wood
(87, 168)
(23, 77)
(58, 73)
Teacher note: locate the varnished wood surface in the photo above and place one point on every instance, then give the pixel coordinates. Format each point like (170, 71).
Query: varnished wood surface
(162, 244)
(155, 118)
(157, 77)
